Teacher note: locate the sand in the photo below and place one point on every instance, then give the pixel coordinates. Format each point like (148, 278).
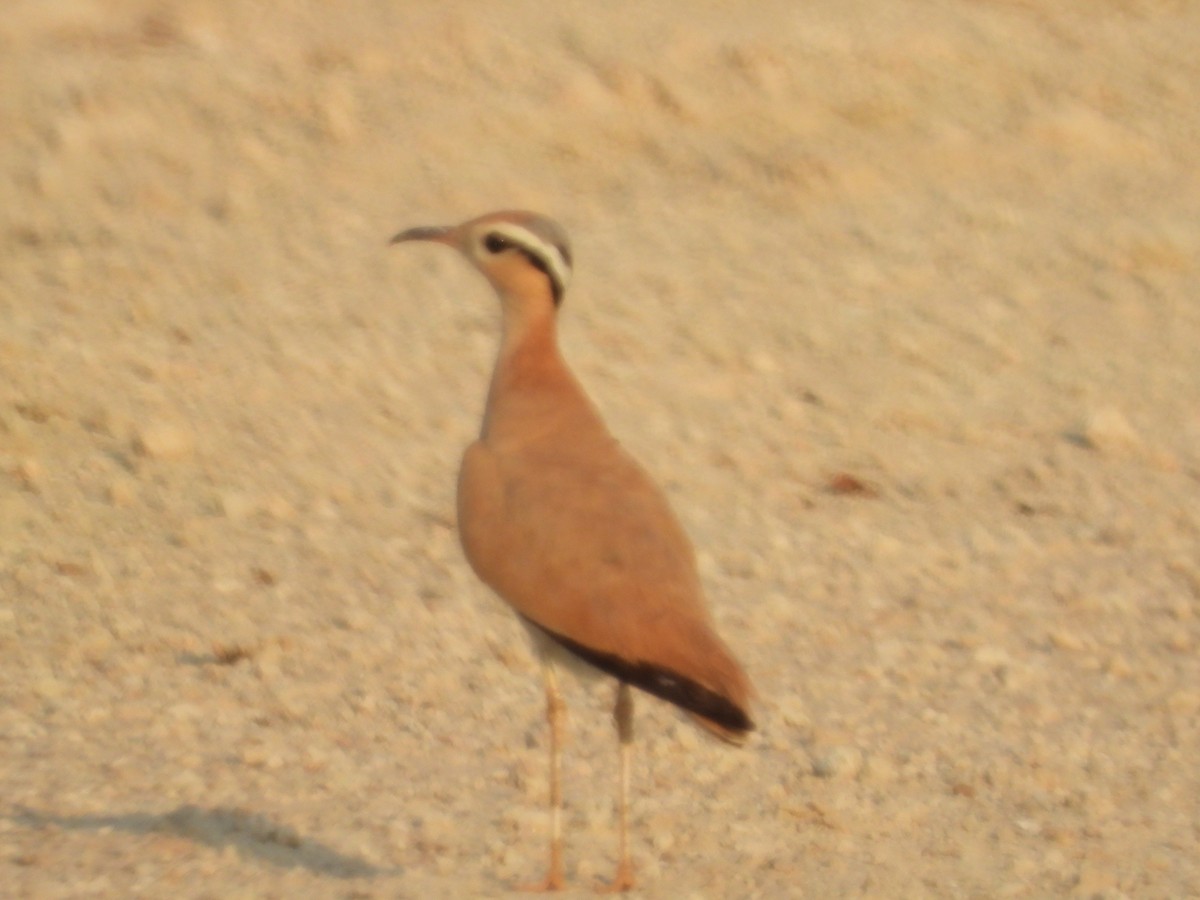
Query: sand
(899, 302)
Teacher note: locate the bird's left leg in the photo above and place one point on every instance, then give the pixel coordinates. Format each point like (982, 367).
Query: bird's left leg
(555, 710)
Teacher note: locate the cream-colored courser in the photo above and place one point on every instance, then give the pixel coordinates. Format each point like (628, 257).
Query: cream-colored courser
(567, 528)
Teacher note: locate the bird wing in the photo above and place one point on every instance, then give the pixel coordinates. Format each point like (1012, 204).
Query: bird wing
(580, 541)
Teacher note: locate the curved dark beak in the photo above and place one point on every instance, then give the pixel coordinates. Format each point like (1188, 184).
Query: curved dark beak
(439, 233)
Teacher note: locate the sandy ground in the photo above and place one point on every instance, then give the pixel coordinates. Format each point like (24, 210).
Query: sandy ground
(899, 301)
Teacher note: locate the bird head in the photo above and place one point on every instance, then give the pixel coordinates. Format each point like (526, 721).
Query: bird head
(521, 253)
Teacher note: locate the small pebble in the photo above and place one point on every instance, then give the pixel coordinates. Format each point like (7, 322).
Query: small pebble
(122, 491)
(1108, 431)
(236, 505)
(164, 439)
(28, 473)
(842, 763)
(1066, 640)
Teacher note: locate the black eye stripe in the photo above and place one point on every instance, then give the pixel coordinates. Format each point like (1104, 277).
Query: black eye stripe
(537, 262)
(496, 243)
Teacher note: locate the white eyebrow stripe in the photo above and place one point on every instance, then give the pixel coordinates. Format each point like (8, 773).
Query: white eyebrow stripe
(548, 253)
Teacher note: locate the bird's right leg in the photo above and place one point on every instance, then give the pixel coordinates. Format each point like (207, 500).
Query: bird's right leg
(623, 716)
(555, 710)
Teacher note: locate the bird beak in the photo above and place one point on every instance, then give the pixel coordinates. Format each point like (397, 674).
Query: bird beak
(442, 234)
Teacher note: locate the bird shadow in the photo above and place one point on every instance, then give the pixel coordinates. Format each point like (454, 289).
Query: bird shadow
(251, 835)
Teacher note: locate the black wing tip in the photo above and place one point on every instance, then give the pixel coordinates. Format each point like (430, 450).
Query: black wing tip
(740, 722)
(730, 719)
(725, 715)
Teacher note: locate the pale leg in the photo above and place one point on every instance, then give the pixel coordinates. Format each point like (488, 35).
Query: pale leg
(555, 709)
(623, 714)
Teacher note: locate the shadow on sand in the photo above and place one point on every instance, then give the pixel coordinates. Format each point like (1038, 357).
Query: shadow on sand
(250, 834)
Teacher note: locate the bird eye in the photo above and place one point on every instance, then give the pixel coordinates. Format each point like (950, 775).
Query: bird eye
(495, 243)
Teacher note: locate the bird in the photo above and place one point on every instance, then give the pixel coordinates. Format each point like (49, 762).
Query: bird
(569, 529)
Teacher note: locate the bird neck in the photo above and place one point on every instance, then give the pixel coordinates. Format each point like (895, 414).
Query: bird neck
(532, 391)
(529, 328)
